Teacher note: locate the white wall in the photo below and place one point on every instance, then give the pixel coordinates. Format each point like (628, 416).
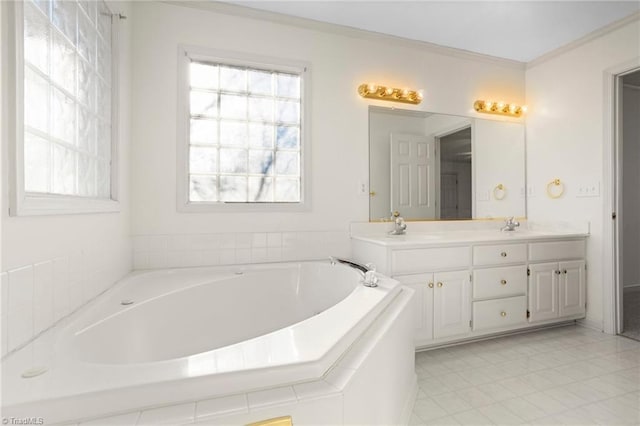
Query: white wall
(338, 119)
(565, 139)
(630, 184)
(51, 265)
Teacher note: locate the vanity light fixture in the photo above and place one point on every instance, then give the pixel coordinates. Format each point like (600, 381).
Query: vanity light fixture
(375, 91)
(503, 108)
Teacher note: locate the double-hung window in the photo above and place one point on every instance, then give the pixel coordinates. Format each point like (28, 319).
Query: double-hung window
(65, 86)
(243, 125)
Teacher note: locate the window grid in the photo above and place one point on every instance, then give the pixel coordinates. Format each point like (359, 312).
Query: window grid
(99, 116)
(271, 175)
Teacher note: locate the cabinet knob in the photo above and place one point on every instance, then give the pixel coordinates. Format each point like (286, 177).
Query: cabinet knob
(558, 272)
(564, 272)
(503, 314)
(430, 285)
(503, 282)
(439, 284)
(503, 254)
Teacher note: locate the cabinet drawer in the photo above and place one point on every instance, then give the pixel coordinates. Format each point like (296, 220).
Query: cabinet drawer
(499, 282)
(499, 254)
(419, 260)
(499, 313)
(557, 250)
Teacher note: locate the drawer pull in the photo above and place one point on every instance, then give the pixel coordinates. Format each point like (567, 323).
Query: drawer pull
(503, 282)
(503, 314)
(503, 254)
(430, 285)
(439, 284)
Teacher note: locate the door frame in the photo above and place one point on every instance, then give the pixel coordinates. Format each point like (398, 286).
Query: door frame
(612, 179)
(436, 139)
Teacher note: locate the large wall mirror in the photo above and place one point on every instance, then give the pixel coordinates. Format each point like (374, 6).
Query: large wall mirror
(444, 167)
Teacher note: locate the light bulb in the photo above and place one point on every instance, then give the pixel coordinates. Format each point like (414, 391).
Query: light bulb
(405, 92)
(512, 108)
(388, 91)
(524, 108)
(372, 88)
(420, 94)
(488, 105)
(500, 105)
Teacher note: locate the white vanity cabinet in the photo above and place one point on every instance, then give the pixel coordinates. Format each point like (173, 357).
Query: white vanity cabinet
(442, 304)
(499, 291)
(557, 287)
(476, 284)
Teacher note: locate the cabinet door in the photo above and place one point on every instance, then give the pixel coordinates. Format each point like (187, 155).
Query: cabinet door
(423, 311)
(451, 304)
(543, 292)
(572, 288)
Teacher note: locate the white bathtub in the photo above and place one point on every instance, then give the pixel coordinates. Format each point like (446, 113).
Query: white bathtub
(193, 334)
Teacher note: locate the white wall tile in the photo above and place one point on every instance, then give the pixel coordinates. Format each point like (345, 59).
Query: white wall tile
(20, 312)
(227, 256)
(221, 406)
(274, 239)
(275, 396)
(43, 296)
(243, 256)
(211, 257)
(140, 260)
(4, 295)
(259, 239)
(243, 241)
(259, 255)
(129, 419)
(20, 287)
(61, 304)
(175, 414)
(158, 259)
(4, 318)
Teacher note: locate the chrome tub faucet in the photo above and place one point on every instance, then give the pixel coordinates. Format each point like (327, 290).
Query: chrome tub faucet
(368, 271)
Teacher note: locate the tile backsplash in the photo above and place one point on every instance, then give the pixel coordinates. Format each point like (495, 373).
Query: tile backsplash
(36, 296)
(183, 250)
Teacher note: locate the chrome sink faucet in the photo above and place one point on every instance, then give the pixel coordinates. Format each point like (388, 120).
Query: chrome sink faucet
(510, 225)
(399, 227)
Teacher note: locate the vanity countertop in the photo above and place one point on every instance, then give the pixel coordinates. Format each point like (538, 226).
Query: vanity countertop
(418, 240)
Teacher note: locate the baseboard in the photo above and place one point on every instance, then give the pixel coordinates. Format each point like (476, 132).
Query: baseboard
(593, 325)
(407, 409)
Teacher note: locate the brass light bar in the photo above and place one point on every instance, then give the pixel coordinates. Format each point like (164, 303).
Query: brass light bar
(384, 93)
(490, 107)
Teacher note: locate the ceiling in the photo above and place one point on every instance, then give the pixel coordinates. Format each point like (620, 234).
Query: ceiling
(516, 30)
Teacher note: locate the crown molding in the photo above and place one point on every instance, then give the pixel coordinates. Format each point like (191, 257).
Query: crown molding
(583, 40)
(310, 24)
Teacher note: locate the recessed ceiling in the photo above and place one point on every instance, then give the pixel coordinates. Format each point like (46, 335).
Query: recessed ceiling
(517, 30)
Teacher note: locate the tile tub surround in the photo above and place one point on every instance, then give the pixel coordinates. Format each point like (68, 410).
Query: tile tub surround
(561, 376)
(184, 250)
(37, 296)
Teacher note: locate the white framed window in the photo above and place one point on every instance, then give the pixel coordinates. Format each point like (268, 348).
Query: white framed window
(65, 95)
(242, 132)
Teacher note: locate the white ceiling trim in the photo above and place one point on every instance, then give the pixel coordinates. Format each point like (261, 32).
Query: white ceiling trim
(309, 24)
(583, 40)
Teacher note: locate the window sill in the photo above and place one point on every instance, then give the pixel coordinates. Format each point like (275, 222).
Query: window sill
(204, 207)
(41, 205)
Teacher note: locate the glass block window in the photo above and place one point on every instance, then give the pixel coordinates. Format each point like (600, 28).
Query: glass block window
(67, 98)
(244, 134)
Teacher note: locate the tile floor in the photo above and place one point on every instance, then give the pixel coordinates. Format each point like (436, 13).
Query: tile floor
(561, 376)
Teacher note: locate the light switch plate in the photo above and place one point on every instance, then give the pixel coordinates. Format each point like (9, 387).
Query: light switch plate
(589, 189)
